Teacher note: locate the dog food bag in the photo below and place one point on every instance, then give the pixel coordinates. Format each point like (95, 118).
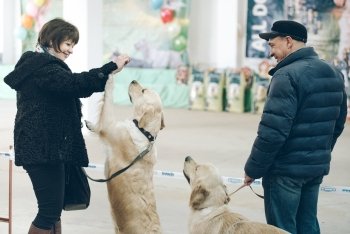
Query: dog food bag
(197, 90)
(214, 91)
(235, 84)
(260, 87)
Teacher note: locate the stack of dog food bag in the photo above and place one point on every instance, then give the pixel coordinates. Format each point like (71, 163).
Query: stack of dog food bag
(232, 90)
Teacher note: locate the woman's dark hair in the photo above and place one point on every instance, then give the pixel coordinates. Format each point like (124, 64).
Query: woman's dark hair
(56, 31)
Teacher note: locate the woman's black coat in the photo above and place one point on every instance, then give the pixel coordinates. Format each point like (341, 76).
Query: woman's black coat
(48, 120)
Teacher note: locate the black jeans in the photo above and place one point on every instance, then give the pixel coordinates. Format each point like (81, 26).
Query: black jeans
(48, 183)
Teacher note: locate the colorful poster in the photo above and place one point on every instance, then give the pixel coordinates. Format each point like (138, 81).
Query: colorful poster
(154, 35)
(323, 20)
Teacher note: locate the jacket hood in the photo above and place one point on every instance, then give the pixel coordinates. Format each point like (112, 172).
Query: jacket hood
(29, 63)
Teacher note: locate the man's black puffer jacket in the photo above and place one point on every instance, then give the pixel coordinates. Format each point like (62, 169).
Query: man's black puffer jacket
(48, 120)
(304, 114)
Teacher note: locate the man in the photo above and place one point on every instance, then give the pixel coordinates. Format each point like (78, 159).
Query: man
(303, 116)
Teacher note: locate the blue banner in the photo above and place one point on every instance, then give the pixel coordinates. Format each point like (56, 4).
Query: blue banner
(261, 15)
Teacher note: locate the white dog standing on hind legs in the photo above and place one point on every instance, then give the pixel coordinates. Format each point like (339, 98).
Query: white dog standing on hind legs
(131, 194)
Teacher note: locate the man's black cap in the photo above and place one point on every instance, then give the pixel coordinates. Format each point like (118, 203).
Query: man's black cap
(284, 28)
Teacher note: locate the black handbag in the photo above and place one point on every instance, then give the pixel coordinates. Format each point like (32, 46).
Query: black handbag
(77, 190)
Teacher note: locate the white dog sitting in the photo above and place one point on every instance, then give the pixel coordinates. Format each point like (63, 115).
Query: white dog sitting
(210, 213)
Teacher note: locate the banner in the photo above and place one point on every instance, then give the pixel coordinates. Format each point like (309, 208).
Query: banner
(261, 15)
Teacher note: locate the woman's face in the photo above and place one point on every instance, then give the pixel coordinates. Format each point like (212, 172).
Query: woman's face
(66, 49)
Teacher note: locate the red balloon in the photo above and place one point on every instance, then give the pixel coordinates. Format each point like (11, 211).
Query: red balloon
(167, 15)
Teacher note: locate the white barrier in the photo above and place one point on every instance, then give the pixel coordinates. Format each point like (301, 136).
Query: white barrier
(226, 179)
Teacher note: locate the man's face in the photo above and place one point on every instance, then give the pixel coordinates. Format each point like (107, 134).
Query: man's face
(279, 47)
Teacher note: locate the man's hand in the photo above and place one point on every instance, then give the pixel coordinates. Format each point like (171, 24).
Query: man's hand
(247, 180)
(121, 61)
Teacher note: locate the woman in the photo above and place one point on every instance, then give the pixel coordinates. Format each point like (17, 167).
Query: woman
(47, 132)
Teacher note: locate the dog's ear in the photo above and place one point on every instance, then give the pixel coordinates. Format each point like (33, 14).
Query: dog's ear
(198, 196)
(146, 117)
(162, 125)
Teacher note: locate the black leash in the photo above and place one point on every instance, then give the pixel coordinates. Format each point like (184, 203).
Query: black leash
(140, 156)
(150, 138)
(261, 196)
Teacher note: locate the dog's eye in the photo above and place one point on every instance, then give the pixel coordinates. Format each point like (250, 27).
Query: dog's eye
(143, 90)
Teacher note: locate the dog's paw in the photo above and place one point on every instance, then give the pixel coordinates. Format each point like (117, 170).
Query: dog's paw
(90, 126)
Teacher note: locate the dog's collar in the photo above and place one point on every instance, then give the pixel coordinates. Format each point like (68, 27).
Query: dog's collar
(147, 134)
